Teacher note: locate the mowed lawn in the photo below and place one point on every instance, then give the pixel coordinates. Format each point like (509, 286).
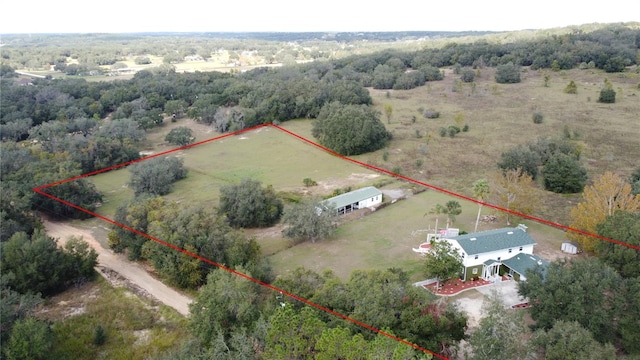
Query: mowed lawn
(265, 154)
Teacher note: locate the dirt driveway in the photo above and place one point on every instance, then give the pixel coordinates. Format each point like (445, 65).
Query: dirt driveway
(109, 262)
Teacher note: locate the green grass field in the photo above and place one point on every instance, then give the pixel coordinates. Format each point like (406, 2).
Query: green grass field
(499, 116)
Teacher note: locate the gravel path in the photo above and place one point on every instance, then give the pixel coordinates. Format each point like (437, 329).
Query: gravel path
(119, 264)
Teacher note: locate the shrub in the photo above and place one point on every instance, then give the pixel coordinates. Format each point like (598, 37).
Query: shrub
(508, 74)
(564, 174)
(572, 88)
(309, 182)
(607, 96)
(443, 131)
(468, 75)
(248, 204)
(431, 114)
(465, 128)
(99, 335)
(538, 117)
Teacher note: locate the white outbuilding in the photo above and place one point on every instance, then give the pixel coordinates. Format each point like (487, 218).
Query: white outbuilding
(354, 200)
(569, 247)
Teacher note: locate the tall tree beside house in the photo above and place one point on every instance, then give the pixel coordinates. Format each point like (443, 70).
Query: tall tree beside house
(514, 190)
(442, 261)
(582, 290)
(452, 208)
(502, 333)
(608, 194)
(621, 226)
(481, 192)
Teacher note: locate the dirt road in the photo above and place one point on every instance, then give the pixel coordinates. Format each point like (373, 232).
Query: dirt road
(118, 263)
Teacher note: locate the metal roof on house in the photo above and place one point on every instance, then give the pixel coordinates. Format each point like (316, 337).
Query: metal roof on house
(353, 196)
(493, 240)
(523, 262)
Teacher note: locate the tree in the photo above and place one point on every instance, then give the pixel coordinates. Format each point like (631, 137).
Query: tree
(388, 111)
(30, 339)
(309, 220)
(40, 266)
(481, 192)
(572, 88)
(568, 340)
(248, 204)
(635, 181)
(622, 226)
(155, 176)
(442, 261)
(180, 136)
(514, 190)
(608, 194)
(583, 290)
(350, 129)
(227, 302)
(468, 75)
(564, 174)
(521, 157)
(607, 94)
(293, 334)
(176, 108)
(452, 208)
(14, 305)
(508, 73)
(502, 333)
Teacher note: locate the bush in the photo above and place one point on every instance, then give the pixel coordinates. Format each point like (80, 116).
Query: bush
(468, 75)
(309, 182)
(142, 60)
(180, 136)
(465, 128)
(607, 96)
(99, 335)
(572, 88)
(443, 131)
(564, 174)
(538, 118)
(508, 74)
(156, 176)
(336, 126)
(248, 204)
(431, 114)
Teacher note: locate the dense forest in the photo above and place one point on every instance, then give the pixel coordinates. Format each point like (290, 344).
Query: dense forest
(56, 128)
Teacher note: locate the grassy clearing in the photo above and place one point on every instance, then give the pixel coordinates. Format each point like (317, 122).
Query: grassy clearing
(500, 117)
(265, 154)
(135, 328)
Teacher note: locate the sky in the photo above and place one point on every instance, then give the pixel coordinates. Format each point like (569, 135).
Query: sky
(122, 16)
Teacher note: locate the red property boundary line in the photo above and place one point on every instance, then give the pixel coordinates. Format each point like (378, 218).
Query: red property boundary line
(40, 190)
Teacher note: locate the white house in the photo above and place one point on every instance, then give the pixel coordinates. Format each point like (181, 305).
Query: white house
(484, 253)
(354, 200)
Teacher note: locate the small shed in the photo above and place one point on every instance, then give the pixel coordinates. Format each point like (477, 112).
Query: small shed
(569, 247)
(354, 200)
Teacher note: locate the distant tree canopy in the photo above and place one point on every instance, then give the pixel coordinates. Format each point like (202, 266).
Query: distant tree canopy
(350, 129)
(248, 204)
(155, 176)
